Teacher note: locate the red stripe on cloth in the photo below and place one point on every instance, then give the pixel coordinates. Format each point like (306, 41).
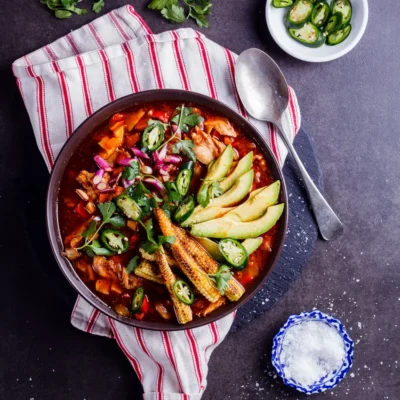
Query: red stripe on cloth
(169, 351)
(274, 146)
(92, 321)
(85, 86)
(132, 11)
(131, 67)
(66, 99)
(207, 66)
(107, 75)
(160, 369)
(195, 356)
(72, 44)
(215, 335)
(43, 120)
(155, 62)
(118, 26)
(96, 36)
(292, 110)
(231, 67)
(128, 354)
(179, 61)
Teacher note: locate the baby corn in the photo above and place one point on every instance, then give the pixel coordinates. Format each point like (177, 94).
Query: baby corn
(183, 311)
(235, 290)
(152, 257)
(195, 249)
(186, 262)
(149, 271)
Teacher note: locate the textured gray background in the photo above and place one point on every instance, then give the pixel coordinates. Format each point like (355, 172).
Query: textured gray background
(351, 107)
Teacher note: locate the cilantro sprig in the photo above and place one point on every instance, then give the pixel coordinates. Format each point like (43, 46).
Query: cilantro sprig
(64, 9)
(93, 247)
(221, 278)
(210, 190)
(174, 12)
(153, 244)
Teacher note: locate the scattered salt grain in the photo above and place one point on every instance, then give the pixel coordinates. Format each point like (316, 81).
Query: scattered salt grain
(311, 351)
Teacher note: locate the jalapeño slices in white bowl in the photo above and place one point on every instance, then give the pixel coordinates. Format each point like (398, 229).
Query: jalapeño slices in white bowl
(317, 30)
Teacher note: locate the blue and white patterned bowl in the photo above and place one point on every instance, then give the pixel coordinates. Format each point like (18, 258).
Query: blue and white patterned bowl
(327, 382)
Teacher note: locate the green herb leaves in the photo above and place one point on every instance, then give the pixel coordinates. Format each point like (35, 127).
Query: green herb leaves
(132, 171)
(133, 263)
(221, 278)
(186, 118)
(98, 6)
(66, 8)
(209, 191)
(185, 147)
(91, 244)
(173, 193)
(174, 12)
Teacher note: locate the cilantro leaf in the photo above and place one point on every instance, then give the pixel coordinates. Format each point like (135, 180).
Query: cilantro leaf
(173, 195)
(160, 4)
(174, 13)
(199, 17)
(96, 249)
(185, 147)
(221, 278)
(169, 209)
(97, 6)
(203, 197)
(133, 263)
(117, 221)
(186, 118)
(107, 210)
(166, 239)
(215, 190)
(149, 228)
(149, 247)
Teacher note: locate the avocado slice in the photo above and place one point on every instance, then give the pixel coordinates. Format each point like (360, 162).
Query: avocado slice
(251, 245)
(256, 205)
(222, 228)
(220, 167)
(236, 193)
(241, 168)
(205, 214)
(211, 247)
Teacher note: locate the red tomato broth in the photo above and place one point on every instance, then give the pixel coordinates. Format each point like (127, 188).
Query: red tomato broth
(70, 220)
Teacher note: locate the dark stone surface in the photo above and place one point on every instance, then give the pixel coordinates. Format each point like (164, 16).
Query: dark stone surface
(351, 107)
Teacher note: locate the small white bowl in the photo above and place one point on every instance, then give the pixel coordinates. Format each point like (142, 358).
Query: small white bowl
(276, 25)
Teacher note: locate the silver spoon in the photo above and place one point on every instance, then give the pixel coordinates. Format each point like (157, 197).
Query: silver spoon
(264, 93)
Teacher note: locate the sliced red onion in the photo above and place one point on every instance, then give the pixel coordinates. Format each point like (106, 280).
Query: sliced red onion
(126, 161)
(101, 186)
(102, 163)
(98, 176)
(159, 158)
(173, 159)
(106, 190)
(155, 184)
(174, 128)
(162, 153)
(165, 168)
(139, 153)
(126, 183)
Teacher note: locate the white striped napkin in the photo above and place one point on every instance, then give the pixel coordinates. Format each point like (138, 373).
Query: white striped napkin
(65, 82)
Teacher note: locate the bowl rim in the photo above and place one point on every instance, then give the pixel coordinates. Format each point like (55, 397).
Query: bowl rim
(91, 124)
(318, 59)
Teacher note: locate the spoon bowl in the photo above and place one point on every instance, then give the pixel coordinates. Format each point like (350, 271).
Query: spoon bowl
(264, 93)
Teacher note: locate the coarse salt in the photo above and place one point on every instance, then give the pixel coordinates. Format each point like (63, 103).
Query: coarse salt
(311, 351)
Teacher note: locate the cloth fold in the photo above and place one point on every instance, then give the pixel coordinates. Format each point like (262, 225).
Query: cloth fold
(65, 82)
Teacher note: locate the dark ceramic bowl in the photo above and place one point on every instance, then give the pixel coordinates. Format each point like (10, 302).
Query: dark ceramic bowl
(89, 126)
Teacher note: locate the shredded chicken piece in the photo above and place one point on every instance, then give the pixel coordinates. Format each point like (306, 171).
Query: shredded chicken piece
(102, 266)
(211, 307)
(129, 281)
(221, 125)
(205, 148)
(221, 146)
(71, 254)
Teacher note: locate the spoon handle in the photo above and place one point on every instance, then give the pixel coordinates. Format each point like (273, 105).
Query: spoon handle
(328, 222)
